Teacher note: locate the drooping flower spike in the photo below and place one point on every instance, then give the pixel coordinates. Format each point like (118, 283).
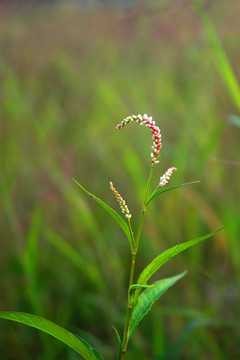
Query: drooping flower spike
(147, 121)
(121, 202)
(166, 177)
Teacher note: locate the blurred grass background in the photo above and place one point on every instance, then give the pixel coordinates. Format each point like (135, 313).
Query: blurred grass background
(68, 75)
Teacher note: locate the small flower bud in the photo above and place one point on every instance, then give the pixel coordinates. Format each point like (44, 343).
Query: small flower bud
(166, 177)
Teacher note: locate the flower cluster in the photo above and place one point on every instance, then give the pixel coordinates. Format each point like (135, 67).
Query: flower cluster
(166, 177)
(147, 121)
(122, 202)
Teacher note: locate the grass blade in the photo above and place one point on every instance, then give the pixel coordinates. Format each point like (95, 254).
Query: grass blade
(220, 58)
(71, 254)
(148, 298)
(77, 344)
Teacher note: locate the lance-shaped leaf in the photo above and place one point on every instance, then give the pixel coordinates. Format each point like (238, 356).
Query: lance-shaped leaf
(148, 298)
(74, 342)
(167, 255)
(119, 354)
(112, 212)
(159, 191)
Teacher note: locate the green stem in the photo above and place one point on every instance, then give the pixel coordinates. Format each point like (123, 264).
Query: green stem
(129, 309)
(131, 277)
(144, 208)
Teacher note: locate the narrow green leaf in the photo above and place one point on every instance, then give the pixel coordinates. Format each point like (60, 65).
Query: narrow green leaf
(159, 191)
(76, 343)
(133, 287)
(169, 254)
(148, 298)
(119, 354)
(112, 212)
(89, 347)
(234, 120)
(220, 58)
(137, 286)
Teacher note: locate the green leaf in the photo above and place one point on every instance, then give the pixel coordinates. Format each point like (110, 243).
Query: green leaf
(77, 344)
(112, 212)
(133, 287)
(169, 254)
(89, 347)
(220, 58)
(137, 286)
(234, 120)
(159, 191)
(148, 298)
(119, 354)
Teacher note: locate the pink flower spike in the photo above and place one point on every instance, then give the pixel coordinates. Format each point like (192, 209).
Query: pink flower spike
(121, 202)
(147, 121)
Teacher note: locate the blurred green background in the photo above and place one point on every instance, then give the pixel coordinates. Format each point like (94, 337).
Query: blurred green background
(69, 74)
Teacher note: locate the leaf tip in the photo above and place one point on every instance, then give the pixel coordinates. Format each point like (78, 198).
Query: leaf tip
(220, 229)
(184, 273)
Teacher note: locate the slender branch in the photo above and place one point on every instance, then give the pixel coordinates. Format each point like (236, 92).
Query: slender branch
(131, 233)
